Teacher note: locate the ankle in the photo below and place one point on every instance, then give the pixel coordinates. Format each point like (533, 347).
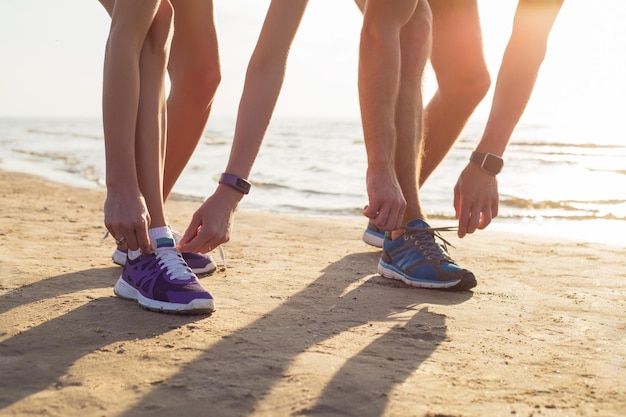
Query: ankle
(161, 237)
(396, 233)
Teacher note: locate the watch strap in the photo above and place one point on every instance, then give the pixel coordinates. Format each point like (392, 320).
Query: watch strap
(490, 163)
(233, 181)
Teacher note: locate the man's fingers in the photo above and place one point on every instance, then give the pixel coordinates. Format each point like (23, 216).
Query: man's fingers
(387, 220)
(485, 219)
(370, 212)
(463, 216)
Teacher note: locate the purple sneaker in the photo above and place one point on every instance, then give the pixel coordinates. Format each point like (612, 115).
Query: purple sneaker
(200, 263)
(163, 282)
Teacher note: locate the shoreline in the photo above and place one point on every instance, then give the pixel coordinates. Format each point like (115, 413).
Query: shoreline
(602, 231)
(304, 325)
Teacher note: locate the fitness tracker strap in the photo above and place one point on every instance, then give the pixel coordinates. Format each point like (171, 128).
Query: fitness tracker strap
(490, 163)
(233, 181)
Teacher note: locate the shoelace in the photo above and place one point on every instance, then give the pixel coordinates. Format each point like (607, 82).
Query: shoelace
(178, 236)
(427, 236)
(222, 256)
(174, 264)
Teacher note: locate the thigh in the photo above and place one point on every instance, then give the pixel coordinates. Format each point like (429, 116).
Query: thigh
(131, 20)
(195, 39)
(457, 49)
(388, 13)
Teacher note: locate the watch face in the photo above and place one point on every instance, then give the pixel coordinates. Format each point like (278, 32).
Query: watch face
(492, 164)
(243, 184)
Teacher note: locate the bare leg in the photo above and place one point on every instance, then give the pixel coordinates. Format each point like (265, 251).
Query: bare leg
(152, 118)
(135, 33)
(412, 255)
(462, 77)
(406, 116)
(415, 44)
(194, 71)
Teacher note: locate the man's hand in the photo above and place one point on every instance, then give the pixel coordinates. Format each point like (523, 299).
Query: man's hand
(386, 202)
(476, 199)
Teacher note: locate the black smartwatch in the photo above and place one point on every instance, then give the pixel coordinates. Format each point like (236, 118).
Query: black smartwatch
(233, 181)
(490, 163)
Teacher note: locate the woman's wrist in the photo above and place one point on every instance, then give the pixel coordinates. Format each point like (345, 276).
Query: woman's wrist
(235, 182)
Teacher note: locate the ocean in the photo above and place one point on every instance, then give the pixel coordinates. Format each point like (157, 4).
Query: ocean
(552, 180)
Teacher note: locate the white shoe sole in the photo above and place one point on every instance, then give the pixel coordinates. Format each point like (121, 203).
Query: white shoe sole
(391, 274)
(372, 239)
(125, 291)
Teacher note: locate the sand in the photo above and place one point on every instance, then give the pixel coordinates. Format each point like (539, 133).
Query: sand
(304, 325)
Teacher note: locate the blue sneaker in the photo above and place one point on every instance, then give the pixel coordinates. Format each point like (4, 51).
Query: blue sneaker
(416, 259)
(373, 235)
(162, 281)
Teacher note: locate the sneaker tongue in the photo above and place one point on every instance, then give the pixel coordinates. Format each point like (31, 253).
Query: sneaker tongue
(417, 223)
(173, 263)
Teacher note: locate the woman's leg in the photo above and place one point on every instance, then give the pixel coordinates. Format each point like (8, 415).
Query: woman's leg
(126, 214)
(151, 134)
(194, 70)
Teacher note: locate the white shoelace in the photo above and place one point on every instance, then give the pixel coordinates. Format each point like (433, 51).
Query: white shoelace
(174, 264)
(178, 236)
(222, 256)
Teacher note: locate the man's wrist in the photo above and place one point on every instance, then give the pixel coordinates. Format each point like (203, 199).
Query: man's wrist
(488, 162)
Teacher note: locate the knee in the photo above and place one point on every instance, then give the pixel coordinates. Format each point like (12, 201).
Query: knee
(468, 87)
(161, 31)
(197, 83)
(416, 36)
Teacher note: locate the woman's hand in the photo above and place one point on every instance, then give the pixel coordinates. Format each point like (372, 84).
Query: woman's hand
(127, 220)
(211, 224)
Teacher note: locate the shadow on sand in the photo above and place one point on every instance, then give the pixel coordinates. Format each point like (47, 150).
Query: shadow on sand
(234, 375)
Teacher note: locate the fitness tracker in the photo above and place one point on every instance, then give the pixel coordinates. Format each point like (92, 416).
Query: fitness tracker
(490, 163)
(238, 183)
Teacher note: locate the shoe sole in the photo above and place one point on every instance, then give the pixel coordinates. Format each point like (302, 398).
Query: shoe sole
(387, 271)
(119, 258)
(200, 306)
(209, 269)
(372, 239)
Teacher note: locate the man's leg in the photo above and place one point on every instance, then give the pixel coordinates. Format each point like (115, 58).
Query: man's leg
(391, 63)
(412, 255)
(462, 77)
(194, 71)
(415, 43)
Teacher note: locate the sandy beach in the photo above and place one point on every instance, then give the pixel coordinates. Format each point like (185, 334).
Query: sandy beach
(304, 325)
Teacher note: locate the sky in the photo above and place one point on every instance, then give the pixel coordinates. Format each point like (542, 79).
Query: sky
(52, 52)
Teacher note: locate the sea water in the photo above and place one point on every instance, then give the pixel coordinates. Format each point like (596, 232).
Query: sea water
(317, 167)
